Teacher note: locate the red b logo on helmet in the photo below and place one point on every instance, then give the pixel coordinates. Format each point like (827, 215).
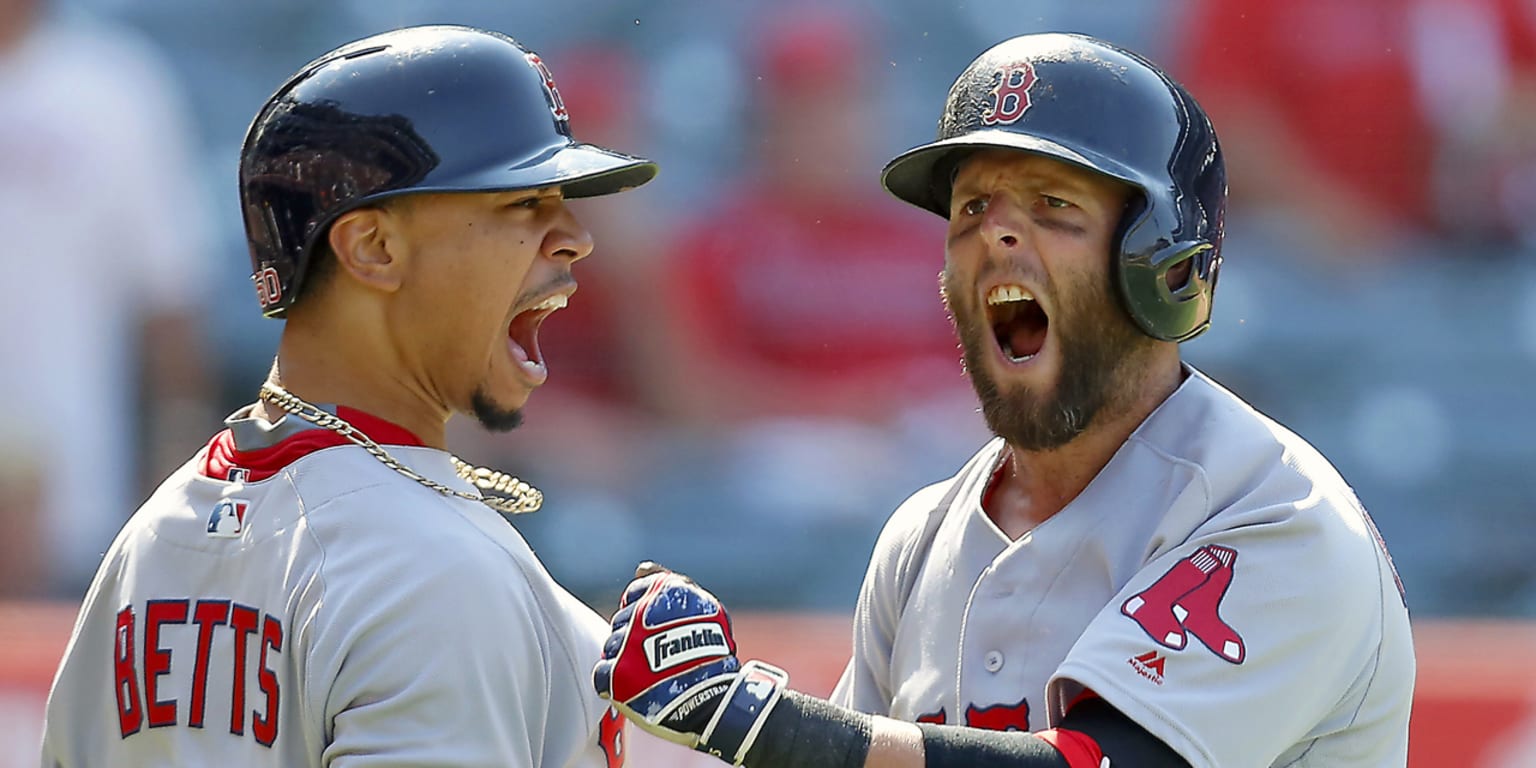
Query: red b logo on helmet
(1010, 97)
(556, 104)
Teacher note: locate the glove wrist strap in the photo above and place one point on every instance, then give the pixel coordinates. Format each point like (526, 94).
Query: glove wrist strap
(742, 711)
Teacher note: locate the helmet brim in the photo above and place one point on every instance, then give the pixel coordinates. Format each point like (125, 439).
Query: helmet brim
(580, 170)
(911, 175)
(587, 170)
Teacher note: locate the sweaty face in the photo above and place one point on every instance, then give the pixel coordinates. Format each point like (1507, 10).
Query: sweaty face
(486, 269)
(1028, 285)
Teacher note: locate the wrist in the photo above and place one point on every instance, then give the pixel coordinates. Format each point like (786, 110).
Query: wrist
(806, 732)
(742, 711)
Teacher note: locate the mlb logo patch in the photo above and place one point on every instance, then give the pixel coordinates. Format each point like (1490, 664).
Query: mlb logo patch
(227, 520)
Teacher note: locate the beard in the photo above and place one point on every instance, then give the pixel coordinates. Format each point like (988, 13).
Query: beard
(492, 416)
(1101, 353)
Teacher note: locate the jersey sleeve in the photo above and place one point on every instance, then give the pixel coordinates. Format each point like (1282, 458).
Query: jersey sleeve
(865, 684)
(437, 666)
(1243, 643)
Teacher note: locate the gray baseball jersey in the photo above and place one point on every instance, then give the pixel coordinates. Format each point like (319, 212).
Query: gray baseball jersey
(285, 599)
(1217, 582)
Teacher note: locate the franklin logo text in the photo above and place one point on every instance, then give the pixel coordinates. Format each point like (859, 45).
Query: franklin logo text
(671, 647)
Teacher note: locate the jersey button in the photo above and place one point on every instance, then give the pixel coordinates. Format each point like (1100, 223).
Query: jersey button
(993, 661)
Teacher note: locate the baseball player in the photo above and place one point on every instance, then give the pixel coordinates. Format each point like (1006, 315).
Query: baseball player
(1140, 569)
(324, 585)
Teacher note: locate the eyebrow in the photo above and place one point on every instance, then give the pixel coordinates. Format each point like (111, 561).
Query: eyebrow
(1043, 182)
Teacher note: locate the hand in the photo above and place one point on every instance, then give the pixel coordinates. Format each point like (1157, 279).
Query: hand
(670, 666)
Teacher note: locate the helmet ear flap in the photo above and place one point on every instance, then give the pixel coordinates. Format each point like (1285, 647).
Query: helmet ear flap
(1168, 290)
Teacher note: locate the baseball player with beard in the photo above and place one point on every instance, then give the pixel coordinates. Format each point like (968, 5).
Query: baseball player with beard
(323, 584)
(1140, 569)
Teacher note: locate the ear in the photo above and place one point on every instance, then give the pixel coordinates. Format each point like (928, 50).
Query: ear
(366, 247)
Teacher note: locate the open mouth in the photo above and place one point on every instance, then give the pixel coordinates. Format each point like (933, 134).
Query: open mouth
(1018, 323)
(523, 335)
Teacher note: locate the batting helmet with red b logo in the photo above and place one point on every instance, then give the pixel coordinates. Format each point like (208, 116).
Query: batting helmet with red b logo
(1101, 107)
(421, 109)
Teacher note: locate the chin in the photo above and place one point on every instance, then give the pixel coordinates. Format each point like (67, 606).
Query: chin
(495, 416)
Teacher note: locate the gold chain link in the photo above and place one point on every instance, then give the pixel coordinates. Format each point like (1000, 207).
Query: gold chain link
(513, 495)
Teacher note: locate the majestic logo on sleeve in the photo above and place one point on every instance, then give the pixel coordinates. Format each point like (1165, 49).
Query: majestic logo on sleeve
(1187, 601)
(1010, 97)
(1149, 665)
(227, 519)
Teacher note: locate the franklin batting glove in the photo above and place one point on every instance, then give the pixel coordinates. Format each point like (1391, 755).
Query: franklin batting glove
(670, 666)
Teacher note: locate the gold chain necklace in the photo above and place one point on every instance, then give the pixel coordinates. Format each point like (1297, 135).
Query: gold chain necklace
(513, 495)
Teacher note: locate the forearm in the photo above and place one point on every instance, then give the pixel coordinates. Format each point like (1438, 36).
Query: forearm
(810, 733)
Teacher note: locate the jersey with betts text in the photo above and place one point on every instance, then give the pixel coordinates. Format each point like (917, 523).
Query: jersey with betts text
(285, 599)
(1217, 582)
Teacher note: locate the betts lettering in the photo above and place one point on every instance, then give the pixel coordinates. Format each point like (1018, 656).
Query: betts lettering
(225, 630)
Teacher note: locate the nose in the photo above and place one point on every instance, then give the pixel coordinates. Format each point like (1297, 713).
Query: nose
(999, 224)
(569, 239)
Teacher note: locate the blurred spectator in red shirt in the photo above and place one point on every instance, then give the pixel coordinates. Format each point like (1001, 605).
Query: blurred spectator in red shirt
(1377, 120)
(805, 290)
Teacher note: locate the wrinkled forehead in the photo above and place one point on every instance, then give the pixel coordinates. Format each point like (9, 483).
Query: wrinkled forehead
(997, 166)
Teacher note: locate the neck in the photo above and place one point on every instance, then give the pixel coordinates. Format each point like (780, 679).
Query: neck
(320, 370)
(1032, 486)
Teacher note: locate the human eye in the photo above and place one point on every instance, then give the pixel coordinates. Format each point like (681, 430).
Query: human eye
(1052, 201)
(534, 200)
(974, 206)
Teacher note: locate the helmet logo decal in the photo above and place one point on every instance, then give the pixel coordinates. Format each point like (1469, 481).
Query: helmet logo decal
(1010, 97)
(269, 288)
(556, 104)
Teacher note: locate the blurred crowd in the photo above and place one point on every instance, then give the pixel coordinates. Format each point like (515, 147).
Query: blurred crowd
(756, 368)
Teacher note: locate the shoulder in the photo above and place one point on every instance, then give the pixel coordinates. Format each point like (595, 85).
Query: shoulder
(1256, 476)
(374, 524)
(907, 530)
(1244, 458)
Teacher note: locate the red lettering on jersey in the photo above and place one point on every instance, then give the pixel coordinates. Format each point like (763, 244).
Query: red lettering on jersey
(264, 726)
(157, 660)
(207, 615)
(242, 619)
(610, 736)
(129, 714)
(1010, 97)
(999, 717)
(934, 718)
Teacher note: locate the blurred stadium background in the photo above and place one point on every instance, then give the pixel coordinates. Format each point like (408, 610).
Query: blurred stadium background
(756, 371)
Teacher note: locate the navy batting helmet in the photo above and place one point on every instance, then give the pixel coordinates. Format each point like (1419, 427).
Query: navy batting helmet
(1107, 109)
(421, 109)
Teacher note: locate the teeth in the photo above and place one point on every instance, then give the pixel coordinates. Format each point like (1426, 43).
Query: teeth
(1004, 294)
(556, 301)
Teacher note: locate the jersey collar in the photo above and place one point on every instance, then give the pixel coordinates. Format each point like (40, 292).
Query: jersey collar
(252, 449)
